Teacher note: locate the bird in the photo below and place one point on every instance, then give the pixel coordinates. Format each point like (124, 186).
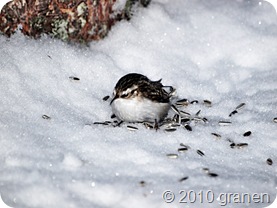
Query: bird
(138, 99)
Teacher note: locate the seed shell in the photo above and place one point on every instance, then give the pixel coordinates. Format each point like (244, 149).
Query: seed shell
(241, 145)
(183, 179)
(173, 107)
(132, 128)
(200, 153)
(240, 106)
(248, 133)
(269, 161)
(170, 129)
(106, 98)
(182, 149)
(224, 123)
(212, 174)
(183, 145)
(216, 135)
(188, 127)
(46, 117)
(182, 102)
(207, 103)
(74, 78)
(275, 120)
(233, 113)
(194, 102)
(172, 156)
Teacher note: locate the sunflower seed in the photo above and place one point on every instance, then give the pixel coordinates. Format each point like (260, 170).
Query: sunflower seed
(182, 149)
(230, 140)
(232, 145)
(188, 127)
(102, 123)
(248, 133)
(194, 102)
(183, 179)
(241, 145)
(198, 112)
(148, 125)
(216, 135)
(170, 129)
(142, 183)
(132, 128)
(269, 161)
(212, 174)
(173, 107)
(197, 118)
(74, 78)
(185, 120)
(46, 117)
(183, 145)
(182, 102)
(172, 156)
(106, 98)
(224, 123)
(233, 113)
(206, 170)
(207, 103)
(113, 116)
(275, 120)
(200, 153)
(205, 120)
(240, 106)
(185, 113)
(176, 118)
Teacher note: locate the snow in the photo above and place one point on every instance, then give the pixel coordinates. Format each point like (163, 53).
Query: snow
(223, 51)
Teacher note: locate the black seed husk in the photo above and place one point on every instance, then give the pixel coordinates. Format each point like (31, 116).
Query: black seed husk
(200, 153)
(269, 161)
(248, 133)
(106, 98)
(183, 179)
(46, 117)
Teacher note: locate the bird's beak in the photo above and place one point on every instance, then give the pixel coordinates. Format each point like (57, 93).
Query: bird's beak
(116, 96)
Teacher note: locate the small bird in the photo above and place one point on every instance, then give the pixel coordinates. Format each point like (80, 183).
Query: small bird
(136, 99)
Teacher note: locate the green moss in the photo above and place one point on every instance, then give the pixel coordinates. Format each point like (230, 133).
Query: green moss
(60, 29)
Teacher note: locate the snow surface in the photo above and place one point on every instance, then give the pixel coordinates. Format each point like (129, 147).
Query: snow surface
(220, 50)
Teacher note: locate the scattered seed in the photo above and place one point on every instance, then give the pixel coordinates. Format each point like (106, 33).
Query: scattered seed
(175, 109)
(176, 118)
(248, 133)
(216, 135)
(233, 113)
(198, 112)
(275, 120)
(170, 129)
(132, 128)
(185, 113)
(188, 127)
(183, 179)
(206, 170)
(200, 153)
(183, 145)
(49, 56)
(148, 125)
(197, 118)
(46, 117)
(182, 102)
(241, 145)
(102, 123)
(172, 156)
(142, 183)
(232, 145)
(240, 106)
(212, 174)
(182, 149)
(185, 120)
(269, 161)
(106, 98)
(194, 102)
(74, 78)
(207, 103)
(113, 116)
(224, 123)
(230, 140)
(205, 120)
